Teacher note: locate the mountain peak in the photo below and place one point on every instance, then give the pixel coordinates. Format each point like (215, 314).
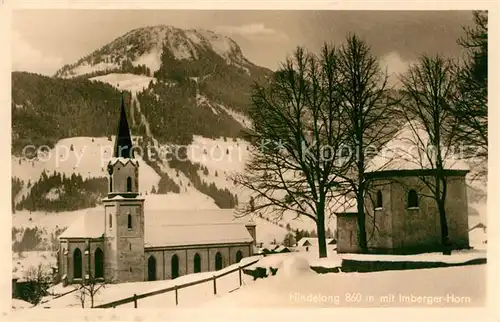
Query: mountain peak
(144, 46)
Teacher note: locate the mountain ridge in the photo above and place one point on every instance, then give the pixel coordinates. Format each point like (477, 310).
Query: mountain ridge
(143, 47)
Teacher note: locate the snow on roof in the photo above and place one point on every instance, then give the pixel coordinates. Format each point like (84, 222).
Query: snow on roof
(172, 227)
(194, 217)
(187, 227)
(281, 248)
(305, 243)
(408, 151)
(311, 241)
(180, 235)
(123, 161)
(87, 225)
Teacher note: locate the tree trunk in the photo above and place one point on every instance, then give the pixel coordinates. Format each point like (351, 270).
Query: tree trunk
(363, 247)
(445, 241)
(360, 197)
(444, 229)
(360, 200)
(320, 227)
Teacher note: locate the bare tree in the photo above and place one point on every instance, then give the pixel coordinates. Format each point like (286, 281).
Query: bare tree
(367, 102)
(297, 134)
(472, 108)
(89, 287)
(39, 280)
(429, 90)
(81, 294)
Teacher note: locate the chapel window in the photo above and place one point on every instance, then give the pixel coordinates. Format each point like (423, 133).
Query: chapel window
(379, 199)
(412, 199)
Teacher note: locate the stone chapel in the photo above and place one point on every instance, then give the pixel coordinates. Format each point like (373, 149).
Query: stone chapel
(402, 217)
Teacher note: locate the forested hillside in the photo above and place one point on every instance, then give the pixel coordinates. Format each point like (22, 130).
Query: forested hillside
(45, 109)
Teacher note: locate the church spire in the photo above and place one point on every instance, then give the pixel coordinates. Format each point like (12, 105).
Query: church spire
(123, 142)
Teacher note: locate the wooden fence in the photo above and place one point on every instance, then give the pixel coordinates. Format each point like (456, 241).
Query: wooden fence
(176, 288)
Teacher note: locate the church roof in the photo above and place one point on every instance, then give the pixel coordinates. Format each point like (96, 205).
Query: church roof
(407, 151)
(123, 142)
(168, 228)
(194, 227)
(88, 225)
(201, 234)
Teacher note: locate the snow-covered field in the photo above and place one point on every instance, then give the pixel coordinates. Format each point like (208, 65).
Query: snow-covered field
(276, 260)
(20, 304)
(296, 285)
(188, 297)
(127, 82)
(335, 260)
(23, 262)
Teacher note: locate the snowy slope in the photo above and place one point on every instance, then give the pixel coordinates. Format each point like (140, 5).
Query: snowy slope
(301, 288)
(126, 81)
(88, 158)
(145, 46)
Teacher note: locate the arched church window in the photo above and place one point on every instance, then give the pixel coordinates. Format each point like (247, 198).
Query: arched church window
(379, 199)
(175, 266)
(218, 261)
(99, 263)
(151, 268)
(129, 184)
(197, 263)
(129, 221)
(239, 256)
(412, 199)
(77, 263)
(110, 221)
(110, 184)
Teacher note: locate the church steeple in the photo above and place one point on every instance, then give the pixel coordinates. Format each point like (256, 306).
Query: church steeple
(123, 169)
(123, 142)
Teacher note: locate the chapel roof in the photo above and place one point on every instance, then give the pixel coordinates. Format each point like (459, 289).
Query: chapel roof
(406, 151)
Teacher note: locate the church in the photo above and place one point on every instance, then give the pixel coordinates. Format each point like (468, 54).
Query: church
(402, 217)
(123, 243)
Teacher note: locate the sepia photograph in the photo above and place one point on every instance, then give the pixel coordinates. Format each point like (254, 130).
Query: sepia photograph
(211, 159)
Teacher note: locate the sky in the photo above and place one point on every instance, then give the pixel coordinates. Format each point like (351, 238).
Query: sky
(45, 40)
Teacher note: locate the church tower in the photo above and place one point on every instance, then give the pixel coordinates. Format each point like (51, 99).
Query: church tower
(124, 211)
